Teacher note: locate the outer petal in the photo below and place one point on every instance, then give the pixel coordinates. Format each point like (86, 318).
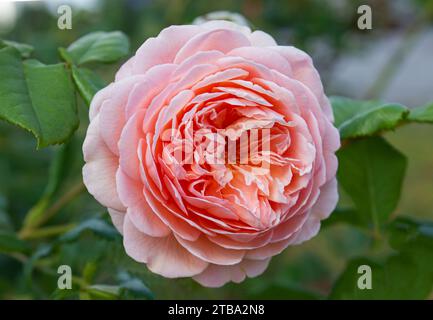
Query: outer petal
(223, 40)
(98, 100)
(112, 112)
(216, 276)
(308, 231)
(163, 256)
(163, 48)
(268, 251)
(100, 169)
(224, 24)
(264, 56)
(257, 38)
(303, 69)
(126, 70)
(331, 143)
(211, 252)
(327, 200)
(118, 218)
(262, 39)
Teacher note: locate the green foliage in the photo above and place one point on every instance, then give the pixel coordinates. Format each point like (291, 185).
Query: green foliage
(41, 252)
(5, 221)
(58, 171)
(24, 49)
(355, 118)
(102, 292)
(344, 215)
(87, 83)
(95, 225)
(129, 288)
(98, 47)
(41, 98)
(371, 172)
(422, 114)
(406, 274)
(404, 231)
(9, 242)
(365, 118)
(37, 97)
(133, 287)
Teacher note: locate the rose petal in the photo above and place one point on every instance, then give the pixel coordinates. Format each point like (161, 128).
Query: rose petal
(211, 252)
(100, 169)
(163, 256)
(216, 276)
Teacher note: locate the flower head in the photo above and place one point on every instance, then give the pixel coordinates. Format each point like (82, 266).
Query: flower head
(213, 150)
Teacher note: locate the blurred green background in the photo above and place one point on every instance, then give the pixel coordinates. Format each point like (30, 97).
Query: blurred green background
(397, 51)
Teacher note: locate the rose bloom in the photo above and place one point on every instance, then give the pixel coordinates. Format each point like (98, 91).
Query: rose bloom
(215, 222)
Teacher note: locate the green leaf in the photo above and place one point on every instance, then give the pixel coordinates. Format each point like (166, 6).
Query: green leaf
(87, 83)
(99, 47)
(365, 118)
(95, 225)
(61, 294)
(65, 56)
(103, 292)
(24, 49)
(133, 287)
(36, 97)
(404, 230)
(5, 221)
(9, 242)
(342, 215)
(89, 270)
(42, 251)
(371, 171)
(405, 275)
(129, 287)
(422, 114)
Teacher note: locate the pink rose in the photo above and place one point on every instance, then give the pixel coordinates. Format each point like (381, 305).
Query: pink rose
(155, 133)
